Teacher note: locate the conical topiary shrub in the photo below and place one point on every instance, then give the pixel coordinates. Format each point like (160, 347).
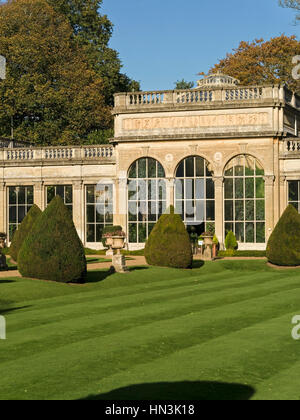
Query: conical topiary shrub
(52, 250)
(230, 241)
(284, 244)
(169, 244)
(23, 230)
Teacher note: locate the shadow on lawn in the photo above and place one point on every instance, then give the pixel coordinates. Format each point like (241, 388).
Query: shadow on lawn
(98, 276)
(9, 310)
(184, 391)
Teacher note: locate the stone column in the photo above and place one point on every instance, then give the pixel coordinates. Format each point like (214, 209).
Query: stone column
(269, 204)
(170, 192)
(120, 202)
(39, 195)
(78, 208)
(283, 195)
(219, 206)
(3, 206)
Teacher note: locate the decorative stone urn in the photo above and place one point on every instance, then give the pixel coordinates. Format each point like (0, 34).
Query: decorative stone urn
(118, 260)
(109, 242)
(3, 237)
(208, 245)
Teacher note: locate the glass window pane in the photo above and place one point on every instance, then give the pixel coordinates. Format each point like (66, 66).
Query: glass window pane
(259, 169)
(90, 233)
(250, 210)
(142, 232)
(189, 189)
(152, 211)
(12, 195)
(190, 167)
(100, 213)
(50, 194)
(200, 189)
(152, 189)
(180, 170)
(228, 188)
(142, 189)
(132, 190)
(260, 233)
(210, 188)
(239, 210)
(21, 213)
(200, 211)
(260, 188)
(12, 214)
(239, 188)
(179, 188)
(99, 230)
(29, 195)
(260, 210)
(142, 172)
(210, 210)
(132, 211)
(162, 189)
(160, 171)
(69, 194)
(239, 232)
(250, 166)
(132, 232)
(90, 194)
(90, 216)
(228, 228)
(21, 195)
(229, 210)
(151, 168)
(293, 191)
(249, 193)
(133, 171)
(250, 233)
(200, 163)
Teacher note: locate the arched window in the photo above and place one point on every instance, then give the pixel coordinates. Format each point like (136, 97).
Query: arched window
(146, 198)
(195, 193)
(244, 197)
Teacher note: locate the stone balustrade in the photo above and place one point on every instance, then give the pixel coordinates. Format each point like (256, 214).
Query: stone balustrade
(204, 96)
(291, 147)
(58, 154)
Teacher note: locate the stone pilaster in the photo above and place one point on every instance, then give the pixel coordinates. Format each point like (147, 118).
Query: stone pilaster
(39, 194)
(283, 195)
(78, 208)
(219, 213)
(120, 202)
(269, 204)
(170, 192)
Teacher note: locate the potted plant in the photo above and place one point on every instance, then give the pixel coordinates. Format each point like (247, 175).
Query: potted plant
(118, 240)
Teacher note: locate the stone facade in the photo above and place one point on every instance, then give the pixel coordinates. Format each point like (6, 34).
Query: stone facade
(216, 124)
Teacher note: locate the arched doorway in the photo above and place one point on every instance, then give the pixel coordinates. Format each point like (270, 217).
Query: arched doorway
(195, 194)
(244, 199)
(146, 198)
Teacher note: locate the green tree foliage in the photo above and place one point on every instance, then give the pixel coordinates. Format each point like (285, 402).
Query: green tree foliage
(23, 230)
(50, 93)
(293, 4)
(93, 31)
(169, 244)
(183, 84)
(230, 241)
(52, 250)
(262, 62)
(284, 244)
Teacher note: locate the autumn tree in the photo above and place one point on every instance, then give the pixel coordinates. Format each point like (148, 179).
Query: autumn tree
(51, 93)
(93, 31)
(262, 62)
(293, 4)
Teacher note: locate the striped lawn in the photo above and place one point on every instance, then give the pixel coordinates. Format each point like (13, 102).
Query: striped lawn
(222, 331)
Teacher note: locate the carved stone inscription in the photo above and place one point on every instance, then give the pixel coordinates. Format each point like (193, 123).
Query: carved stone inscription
(196, 121)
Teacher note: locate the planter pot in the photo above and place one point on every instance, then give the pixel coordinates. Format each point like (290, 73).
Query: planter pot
(109, 241)
(2, 241)
(118, 242)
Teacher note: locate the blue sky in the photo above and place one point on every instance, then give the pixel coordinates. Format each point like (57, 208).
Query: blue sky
(161, 41)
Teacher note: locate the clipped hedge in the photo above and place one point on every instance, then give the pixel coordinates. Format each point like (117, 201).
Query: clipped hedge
(169, 244)
(284, 244)
(23, 230)
(52, 250)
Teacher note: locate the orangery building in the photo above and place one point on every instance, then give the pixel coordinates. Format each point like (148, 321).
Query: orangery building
(226, 156)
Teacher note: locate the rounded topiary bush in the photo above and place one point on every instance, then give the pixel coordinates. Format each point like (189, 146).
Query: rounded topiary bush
(52, 250)
(169, 244)
(23, 230)
(284, 244)
(230, 241)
